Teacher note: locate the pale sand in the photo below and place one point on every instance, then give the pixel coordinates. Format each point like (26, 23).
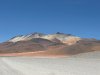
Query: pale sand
(82, 64)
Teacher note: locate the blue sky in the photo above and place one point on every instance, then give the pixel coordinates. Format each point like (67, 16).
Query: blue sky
(77, 17)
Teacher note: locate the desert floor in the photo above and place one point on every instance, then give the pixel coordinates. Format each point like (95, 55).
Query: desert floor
(82, 64)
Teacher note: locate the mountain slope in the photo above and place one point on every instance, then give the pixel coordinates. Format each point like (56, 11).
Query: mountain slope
(51, 44)
(81, 47)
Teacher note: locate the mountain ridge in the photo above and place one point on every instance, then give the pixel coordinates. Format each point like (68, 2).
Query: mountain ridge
(58, 36)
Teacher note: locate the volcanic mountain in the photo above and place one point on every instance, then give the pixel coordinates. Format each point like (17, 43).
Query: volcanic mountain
(38, 44)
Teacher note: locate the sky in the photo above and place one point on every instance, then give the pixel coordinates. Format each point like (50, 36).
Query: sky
(77, 17)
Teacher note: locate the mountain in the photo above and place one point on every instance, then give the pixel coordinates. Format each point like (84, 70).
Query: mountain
(64, 38)
(38, 44)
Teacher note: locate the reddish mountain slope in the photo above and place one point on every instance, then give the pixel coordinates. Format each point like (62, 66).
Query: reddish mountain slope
(36, 45)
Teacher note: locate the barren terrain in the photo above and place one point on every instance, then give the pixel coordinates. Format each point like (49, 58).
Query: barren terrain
(82, 64)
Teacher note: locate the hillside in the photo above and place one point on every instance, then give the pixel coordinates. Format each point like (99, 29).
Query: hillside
(38, 44)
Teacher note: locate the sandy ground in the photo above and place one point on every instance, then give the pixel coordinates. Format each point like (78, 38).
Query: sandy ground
(84, 64)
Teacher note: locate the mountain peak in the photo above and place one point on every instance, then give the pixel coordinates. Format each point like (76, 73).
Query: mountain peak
(37, 33)
(59, 33)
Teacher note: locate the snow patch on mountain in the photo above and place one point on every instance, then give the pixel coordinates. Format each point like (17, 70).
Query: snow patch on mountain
(64, 38)
(26, 37)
